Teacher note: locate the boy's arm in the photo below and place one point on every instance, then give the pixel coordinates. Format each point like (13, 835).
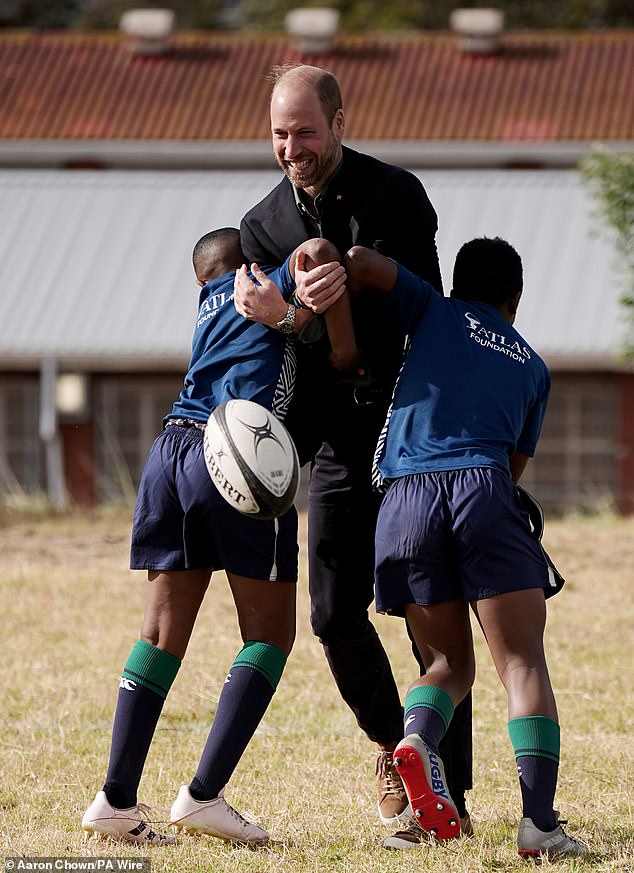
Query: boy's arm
(344, 353)
(518, 464)
(320, 286)
(368, 271)
(264, 304)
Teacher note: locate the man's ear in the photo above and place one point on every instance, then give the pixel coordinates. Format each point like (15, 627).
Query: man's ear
(339, 123)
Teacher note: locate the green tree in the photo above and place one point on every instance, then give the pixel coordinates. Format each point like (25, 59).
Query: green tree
(189, 14)
(356, 15)
(610, 176)
(36, 13)
(377, 15)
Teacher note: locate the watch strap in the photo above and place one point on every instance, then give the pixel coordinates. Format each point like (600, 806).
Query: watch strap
(287, 324)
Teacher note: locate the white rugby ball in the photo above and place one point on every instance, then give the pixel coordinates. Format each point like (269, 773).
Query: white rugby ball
(251, 459)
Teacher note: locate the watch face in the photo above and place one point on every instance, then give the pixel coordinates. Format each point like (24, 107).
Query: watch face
(288, 322)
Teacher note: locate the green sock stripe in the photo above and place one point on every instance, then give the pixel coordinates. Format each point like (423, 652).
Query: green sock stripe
(267, 660)
(433, 698)
(535, 735)
(151, 667)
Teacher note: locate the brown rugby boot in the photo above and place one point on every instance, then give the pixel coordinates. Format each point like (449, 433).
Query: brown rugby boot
(411, 836)
(466, 826)
(393, 804)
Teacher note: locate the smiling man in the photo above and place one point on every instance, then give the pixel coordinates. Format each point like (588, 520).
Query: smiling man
(349, 198)
(307, 126)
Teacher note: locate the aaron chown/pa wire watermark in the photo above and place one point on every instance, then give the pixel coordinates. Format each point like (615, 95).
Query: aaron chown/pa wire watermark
(78, 865)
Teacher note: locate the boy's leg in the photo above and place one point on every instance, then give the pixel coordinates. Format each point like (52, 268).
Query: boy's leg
(443, 635)
(172, 603)
(266, 615)
(456, 750)
(513, 625)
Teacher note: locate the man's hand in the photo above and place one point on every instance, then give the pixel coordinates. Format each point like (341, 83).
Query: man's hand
(262, 303)
(319, 288)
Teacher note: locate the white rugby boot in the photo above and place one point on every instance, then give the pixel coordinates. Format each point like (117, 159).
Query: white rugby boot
(214, 817)
(123, 825)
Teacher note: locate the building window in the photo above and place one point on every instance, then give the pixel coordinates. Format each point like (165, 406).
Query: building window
(574, 468)
(21, 457)
(128, 416)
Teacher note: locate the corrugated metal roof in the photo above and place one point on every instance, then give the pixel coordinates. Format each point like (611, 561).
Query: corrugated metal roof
(544, 86)
(96, 265)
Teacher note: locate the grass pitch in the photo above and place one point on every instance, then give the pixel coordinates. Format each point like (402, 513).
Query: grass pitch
(71, 610)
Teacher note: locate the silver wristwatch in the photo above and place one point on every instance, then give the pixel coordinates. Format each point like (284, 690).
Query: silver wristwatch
(287, 324)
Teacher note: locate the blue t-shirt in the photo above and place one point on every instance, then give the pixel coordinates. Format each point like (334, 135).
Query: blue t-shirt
(234, 357)
(471, 390)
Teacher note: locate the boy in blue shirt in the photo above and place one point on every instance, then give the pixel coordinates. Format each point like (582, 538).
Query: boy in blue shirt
(465, 418)
(183, 530)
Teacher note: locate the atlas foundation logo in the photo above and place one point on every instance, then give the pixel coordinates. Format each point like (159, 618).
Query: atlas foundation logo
(497, 341)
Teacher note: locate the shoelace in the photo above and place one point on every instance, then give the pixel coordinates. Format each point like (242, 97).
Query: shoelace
(567, 836)
(144, 810)
(385, 768)
(240, 819)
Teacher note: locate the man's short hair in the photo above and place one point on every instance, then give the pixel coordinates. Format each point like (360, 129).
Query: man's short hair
(489, 270)
(323, 81)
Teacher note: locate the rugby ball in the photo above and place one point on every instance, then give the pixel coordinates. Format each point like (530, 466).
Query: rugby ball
(251, 459)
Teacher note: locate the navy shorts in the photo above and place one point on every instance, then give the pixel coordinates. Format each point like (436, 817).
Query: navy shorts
(457, 534)
(181, 522)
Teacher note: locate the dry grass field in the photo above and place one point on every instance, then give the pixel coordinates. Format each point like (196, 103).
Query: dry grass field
(71, 611)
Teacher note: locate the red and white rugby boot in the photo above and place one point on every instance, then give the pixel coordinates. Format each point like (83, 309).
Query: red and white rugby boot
(423, 776)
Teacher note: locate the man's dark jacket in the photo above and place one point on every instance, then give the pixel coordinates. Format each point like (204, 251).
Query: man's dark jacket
(370, 203)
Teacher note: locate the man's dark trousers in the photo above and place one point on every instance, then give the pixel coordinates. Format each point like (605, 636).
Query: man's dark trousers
(341, 583)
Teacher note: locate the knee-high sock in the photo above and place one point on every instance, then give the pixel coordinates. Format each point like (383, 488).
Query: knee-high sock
(456, 747)
(147, 677)
(536, 742)
(456, 751)
(428, 711)
(246, 694)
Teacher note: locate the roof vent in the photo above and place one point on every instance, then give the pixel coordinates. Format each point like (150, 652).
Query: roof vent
(149, 31)
(312, 31)
(479, 29)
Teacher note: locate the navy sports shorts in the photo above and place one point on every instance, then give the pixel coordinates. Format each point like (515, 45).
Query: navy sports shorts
(457, 534)
(181, 522)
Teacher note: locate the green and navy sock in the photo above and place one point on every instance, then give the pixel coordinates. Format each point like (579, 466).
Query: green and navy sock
(146, 679)
(246, 694)
(428, 711)
(536, 741)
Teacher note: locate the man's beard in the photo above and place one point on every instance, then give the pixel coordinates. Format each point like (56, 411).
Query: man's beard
(323, 167)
